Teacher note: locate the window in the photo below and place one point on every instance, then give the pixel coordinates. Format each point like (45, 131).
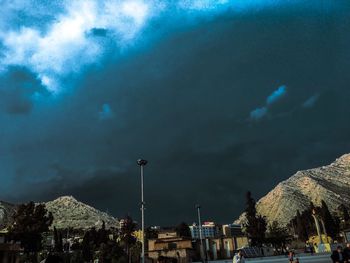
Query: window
(172, 246)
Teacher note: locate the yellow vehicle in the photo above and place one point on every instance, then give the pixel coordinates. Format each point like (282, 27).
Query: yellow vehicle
(324, 245)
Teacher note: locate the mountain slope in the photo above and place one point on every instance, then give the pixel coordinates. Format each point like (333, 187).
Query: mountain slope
(6, 212)
(68, 212)
(329, 183)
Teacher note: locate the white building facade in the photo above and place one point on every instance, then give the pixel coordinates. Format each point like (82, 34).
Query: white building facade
(209, 230)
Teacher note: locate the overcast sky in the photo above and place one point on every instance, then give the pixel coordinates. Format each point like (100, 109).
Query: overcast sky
(219, 96)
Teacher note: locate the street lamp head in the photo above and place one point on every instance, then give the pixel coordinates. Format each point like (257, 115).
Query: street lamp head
(198, 206)
(141, 162)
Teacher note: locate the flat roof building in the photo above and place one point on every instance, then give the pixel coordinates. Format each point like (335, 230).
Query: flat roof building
(209, 230)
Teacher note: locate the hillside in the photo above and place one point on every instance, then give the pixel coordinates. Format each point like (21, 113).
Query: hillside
(6, 212)
(330, 183)
(69, 212)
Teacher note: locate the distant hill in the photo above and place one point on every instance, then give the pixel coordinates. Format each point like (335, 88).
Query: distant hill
(67, 212)
(6, 212)
(330, 183)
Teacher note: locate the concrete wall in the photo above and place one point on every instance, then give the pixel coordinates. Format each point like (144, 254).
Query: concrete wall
(181, 255)
(176, 244)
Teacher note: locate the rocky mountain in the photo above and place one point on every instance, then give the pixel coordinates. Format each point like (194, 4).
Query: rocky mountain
(330, 183)
(6, 212)
(69, 212)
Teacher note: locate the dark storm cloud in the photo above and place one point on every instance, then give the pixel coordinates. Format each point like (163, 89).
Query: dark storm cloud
(106, 112)
(182, 103)
(310, 102)
(18, 88)
(258, 113)
(100, 32)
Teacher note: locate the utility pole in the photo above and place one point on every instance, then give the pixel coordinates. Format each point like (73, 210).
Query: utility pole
(200, 232)
(142, 163)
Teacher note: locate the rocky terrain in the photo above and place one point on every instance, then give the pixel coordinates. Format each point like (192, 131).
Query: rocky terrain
(67, 212)
(330, 183)
(6, 212)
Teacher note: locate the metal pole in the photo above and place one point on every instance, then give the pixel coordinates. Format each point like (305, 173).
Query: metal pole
(200, 232)
(142, 218)
(318, 228)
(142, 163)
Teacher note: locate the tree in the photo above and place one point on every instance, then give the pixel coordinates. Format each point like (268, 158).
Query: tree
(55, 238)
(57, 235)
(127, 235)
(29, 222)
(99, 244)
(301, 227)
(102, 234)
(312, 206)
(87, 247)
(250, 205)
(93, 235)
(308, 221)
(183, 230)
(305, 225)
(60, 242)
(344, 216)
(330, 224)
(261, 229)
(277, 235)
(112, 252)
(151, 233)
(135, 252)
(255, 225)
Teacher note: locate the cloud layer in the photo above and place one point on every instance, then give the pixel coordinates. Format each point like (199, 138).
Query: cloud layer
(275, 96)
(66, 44)
(53, 44)
(177, 90)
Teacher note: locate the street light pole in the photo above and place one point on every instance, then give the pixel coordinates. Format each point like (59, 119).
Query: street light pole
(142, 163)
(200, 231)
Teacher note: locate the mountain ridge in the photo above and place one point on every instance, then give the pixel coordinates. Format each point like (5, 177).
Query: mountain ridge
(68, 212)
(330, 183)
(6, 212)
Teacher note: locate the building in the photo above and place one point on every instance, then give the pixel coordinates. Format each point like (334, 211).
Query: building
(223, 247)
(220, 241)
(235, 232)
(170, 247)
(231, 230)
(209, 230)
(9, 251)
